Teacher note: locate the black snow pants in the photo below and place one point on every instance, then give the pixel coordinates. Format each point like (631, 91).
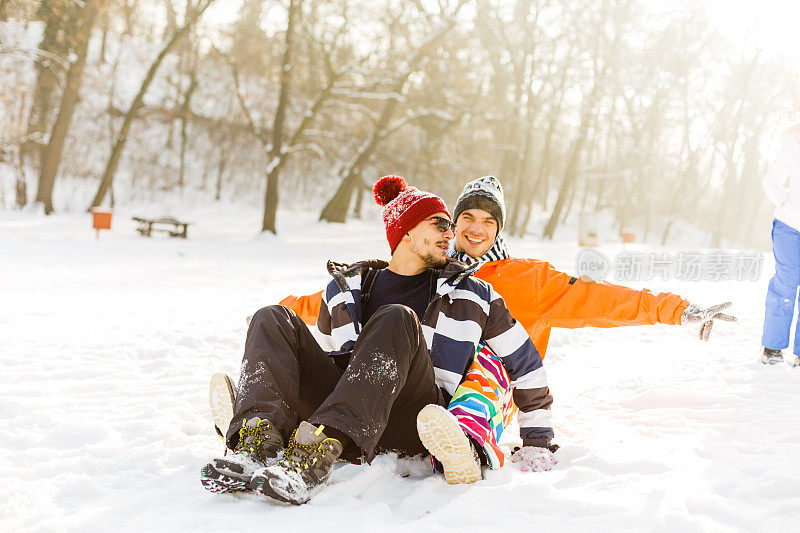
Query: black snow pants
(286, 377)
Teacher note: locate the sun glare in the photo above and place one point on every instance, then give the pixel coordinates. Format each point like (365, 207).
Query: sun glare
(769, 25)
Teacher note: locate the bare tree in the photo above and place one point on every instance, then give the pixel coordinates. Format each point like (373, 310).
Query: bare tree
(69, 98)
(604, 56)
(59, 17)
(192, 16)
(644, 112)
(277, 149)
(184, 110)
(571, 171)
(339, 205)
(279, 146)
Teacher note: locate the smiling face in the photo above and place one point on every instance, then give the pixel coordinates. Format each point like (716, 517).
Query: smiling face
(476, 231)
(428, 243)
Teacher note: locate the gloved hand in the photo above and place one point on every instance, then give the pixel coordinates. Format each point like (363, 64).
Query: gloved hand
(705, 317)
(534, 459)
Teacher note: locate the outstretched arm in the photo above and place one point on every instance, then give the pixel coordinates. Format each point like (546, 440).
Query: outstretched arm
(603, 305)
(535, 291)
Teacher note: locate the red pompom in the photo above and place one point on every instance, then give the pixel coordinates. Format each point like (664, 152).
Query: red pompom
(387, 188)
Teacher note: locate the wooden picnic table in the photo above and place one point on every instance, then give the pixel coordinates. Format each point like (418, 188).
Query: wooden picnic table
(174, 227)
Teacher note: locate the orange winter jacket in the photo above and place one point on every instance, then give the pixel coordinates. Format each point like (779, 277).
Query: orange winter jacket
(541, 297)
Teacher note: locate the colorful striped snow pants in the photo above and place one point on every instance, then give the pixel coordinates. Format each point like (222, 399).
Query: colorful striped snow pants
(483, 405)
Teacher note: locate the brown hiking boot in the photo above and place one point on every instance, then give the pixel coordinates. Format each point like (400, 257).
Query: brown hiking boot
(304, 469)
(771, 357)
(258, 446)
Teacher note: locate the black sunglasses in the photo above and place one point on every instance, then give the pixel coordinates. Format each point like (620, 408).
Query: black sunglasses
(443, 224)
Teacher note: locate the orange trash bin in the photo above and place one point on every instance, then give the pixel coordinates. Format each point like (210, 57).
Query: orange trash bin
(101, 219)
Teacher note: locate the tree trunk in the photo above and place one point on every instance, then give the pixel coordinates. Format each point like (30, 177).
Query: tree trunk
(541, 177)
(20, 187)
(516, 228)
(4, 10)
(339, 205)
(104, 40)
(122, 136)
(359, 202)
(570, 200)
(688, 175)
(69, 99)
(172, 19)
(184, 117)
(730, 183)
(277, 150)
(571, 172)
(128, 15)
(59, 17)
(222, 163)
(525, 132)
(723, 201)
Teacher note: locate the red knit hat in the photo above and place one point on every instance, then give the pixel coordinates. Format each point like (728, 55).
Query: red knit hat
(404, 207)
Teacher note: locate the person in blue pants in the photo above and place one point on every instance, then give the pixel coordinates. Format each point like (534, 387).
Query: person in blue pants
(782, 185)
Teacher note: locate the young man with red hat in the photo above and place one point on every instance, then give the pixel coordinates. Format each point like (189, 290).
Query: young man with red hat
(395, 340)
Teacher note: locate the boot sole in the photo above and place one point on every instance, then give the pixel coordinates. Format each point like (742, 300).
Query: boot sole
(771, 360)
(221, 399)
(261, 485)
(218, 482)
(441, 435)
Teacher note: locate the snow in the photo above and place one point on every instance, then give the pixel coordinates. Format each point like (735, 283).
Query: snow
(108, 346)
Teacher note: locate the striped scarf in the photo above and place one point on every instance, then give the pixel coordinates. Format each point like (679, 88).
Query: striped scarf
(495, 253)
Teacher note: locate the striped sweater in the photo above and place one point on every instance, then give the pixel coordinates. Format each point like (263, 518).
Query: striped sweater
(463, 312)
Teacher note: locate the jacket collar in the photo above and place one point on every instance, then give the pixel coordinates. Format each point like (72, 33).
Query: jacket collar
(453, 272)
(339, 271)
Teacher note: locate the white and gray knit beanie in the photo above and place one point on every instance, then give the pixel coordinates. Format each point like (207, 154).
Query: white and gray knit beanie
(483, 193)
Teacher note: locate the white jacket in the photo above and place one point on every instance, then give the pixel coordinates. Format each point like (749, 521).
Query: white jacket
(782, 180)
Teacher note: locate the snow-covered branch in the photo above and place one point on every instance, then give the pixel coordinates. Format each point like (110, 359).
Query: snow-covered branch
(366, 95)
(354, 107)
(420, 114)
(254, 128)
(314, 147)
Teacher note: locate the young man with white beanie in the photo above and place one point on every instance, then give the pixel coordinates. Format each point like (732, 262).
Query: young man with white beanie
(540, 297)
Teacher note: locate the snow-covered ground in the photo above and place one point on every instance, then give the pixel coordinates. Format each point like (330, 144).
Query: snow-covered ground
(107, 346)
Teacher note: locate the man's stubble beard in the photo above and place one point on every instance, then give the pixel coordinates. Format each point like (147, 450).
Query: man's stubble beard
(429, 259)
(432, 261)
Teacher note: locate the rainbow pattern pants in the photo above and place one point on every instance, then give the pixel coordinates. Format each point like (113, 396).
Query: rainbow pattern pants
(483, 403)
